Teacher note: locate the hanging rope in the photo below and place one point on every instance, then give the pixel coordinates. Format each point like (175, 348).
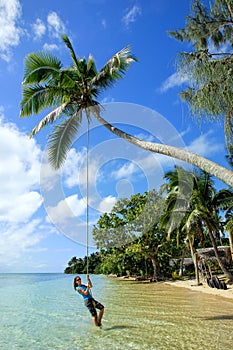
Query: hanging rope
(87, 196)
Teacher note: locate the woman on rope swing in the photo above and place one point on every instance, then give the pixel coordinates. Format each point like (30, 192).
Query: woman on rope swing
(89, 301)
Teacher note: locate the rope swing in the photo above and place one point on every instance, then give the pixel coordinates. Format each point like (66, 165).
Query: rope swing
(87, 196)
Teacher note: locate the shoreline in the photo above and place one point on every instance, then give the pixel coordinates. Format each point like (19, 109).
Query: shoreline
(203, 288)
(191, 285)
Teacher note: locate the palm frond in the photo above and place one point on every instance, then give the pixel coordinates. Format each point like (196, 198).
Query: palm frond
(61, 140)
(72, 53)
(37, 97)
(115, 68)
(91, 67)
(224, 199)
(68, 78)
(48, 119)
(40, 67)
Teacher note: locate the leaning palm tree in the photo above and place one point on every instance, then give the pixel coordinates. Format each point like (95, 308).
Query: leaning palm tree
(68, 91)
(74, 90)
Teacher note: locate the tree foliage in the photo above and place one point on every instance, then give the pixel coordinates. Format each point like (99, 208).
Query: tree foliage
(69, 92)
(136, 220)
(209, 66)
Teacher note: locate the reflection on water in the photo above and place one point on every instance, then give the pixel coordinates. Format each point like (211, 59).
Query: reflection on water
(49, 315)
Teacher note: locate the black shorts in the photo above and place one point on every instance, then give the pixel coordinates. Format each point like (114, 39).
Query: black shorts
(92, 305)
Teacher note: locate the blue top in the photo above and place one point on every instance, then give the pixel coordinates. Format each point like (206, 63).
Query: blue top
(83, 287)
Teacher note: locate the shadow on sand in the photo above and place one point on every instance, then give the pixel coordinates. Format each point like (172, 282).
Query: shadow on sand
(219, 317)
(117, 327)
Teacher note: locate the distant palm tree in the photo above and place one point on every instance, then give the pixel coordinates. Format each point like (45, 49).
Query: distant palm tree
(74, 90)
(202, 209)
(206, 212)
(178, 191)
(224, 200)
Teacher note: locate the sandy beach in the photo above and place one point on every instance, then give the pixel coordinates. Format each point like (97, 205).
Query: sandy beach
(204, 288)
(191, 284)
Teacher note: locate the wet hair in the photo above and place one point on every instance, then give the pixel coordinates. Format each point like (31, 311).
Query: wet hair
(75, 283)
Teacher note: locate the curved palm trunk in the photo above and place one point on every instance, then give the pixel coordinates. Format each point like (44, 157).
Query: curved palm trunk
(227, 273)
(210, 167)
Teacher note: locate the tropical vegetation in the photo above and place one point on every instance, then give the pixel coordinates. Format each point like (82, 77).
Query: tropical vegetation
(143, 234)
(209, 66)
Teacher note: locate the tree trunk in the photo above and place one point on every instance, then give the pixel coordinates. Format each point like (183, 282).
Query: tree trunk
(184, 252)
(156, 267)
(227, 273)
(196, 270)
(194, 257)
(208, 166)
(230, 233)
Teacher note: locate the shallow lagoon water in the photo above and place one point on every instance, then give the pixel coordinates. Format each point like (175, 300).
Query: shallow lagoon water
(42, 311)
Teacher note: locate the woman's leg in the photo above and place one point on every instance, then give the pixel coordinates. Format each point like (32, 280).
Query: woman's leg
(101, 313)
(95, 320)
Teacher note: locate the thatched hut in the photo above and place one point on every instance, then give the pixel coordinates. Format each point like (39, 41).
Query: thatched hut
(207, 255)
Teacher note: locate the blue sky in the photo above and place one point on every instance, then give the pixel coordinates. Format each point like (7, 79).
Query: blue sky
(42, 212)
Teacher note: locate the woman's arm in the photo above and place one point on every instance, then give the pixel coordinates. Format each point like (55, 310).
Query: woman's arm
(84, 292)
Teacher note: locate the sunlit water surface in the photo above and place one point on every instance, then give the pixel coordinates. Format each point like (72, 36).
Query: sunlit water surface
(41, 311)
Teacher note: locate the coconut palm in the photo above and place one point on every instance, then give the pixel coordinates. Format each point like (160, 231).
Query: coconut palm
(202, 210)
(224, 200)
(74, 90)
(178, 191)
(69, 91)
(205, 214)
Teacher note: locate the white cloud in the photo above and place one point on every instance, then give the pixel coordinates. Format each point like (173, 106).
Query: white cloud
(19, 174)
(14, 236)
(55, 25)
(172, 81)
(72, 165)
(19, 190)
(74, 169)
(205, 146)
(125, 171)
(131, 15)
(50, 47)
(10, 32)
(21, 209)
(39, 28)
(48, 176)
(67, 208)
(16, 241)
(106, 204)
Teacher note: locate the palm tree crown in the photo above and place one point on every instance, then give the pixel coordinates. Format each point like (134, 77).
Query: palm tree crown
(68, 91)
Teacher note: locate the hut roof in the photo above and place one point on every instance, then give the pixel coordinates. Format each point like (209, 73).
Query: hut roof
(208, 253)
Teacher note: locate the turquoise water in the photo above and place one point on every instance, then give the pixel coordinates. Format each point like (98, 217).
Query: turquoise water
(41, 311)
